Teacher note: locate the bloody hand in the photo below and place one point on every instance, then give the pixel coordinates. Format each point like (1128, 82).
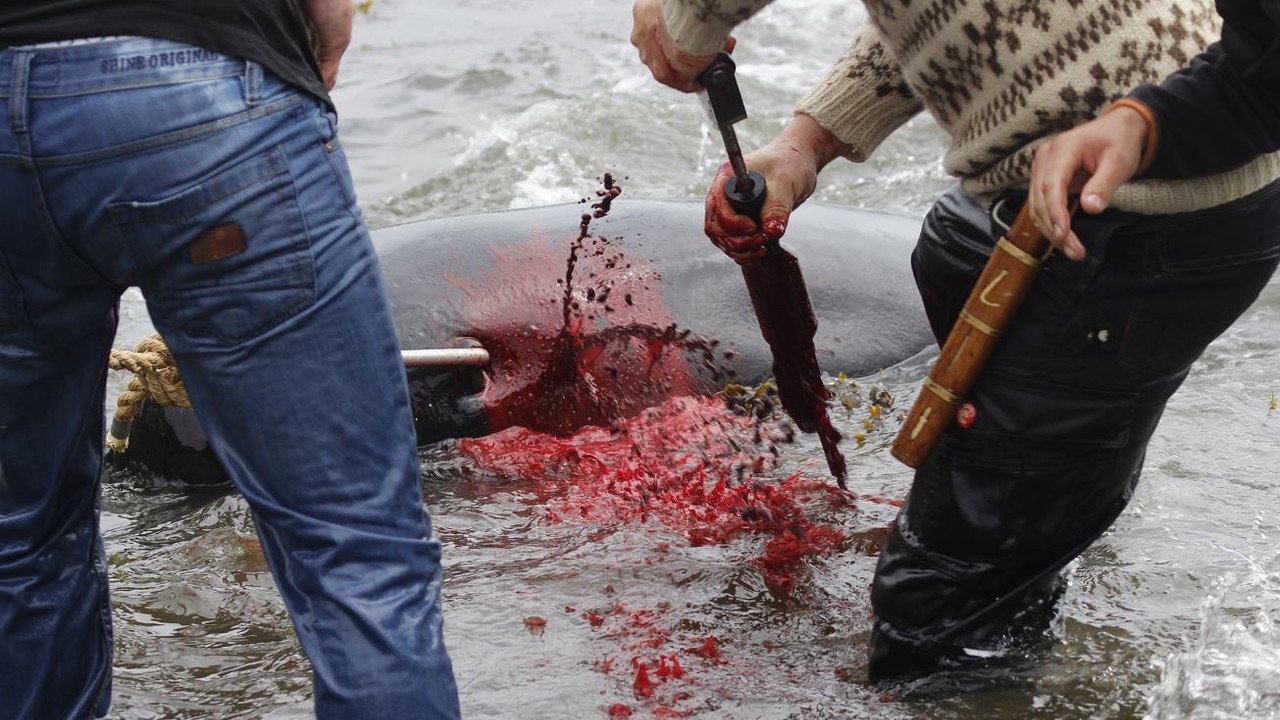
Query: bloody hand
(738, 236)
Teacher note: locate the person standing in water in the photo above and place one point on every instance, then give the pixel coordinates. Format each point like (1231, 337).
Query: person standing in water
(191, 150)
(1058, 423)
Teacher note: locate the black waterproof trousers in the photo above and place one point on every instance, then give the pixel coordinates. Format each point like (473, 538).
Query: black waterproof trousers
(1063, 414)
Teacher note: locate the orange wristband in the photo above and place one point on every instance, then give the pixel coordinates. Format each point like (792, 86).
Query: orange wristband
(1149, 150)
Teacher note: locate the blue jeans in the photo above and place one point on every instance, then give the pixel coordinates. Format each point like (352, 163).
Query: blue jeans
(224, 195)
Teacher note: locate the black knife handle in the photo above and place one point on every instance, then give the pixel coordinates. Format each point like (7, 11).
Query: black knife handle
(746, 201)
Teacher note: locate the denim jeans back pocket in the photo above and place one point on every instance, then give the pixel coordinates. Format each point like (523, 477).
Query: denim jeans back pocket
(227, 258)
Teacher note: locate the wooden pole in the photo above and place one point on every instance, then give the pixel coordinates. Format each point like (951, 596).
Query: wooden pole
(1005, 281)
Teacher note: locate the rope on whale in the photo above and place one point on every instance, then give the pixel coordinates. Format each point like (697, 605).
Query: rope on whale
(155, 376)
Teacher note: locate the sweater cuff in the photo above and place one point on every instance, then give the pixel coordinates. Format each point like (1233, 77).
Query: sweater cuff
(863, 97)
(691, 33)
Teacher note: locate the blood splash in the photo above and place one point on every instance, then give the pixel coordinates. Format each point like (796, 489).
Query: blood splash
(582, 340)
(535, 625)
(699, 466)
(599, 413)
(690, 463)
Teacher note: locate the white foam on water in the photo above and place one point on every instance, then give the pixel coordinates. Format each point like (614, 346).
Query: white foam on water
(1232, 668)
(550, 151)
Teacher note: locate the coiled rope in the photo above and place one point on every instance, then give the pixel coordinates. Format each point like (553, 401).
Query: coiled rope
(155, 376)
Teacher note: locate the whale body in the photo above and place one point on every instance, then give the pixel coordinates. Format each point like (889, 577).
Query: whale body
(592, 314)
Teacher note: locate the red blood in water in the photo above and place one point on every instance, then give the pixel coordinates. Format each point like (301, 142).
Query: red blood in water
(562, 372)
(685, 463)
(643, 686)
(669, 667)
(558, 364)
(618, 710)
(601, 426)
(708, 649)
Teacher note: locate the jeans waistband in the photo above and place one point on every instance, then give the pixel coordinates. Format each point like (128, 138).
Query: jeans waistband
(61, 70)
(78, 41)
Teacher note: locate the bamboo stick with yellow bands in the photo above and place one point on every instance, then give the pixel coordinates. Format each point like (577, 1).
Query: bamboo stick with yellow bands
(1005, 281)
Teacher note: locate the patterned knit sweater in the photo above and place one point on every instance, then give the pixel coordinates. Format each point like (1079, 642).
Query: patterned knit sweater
(1000, 76)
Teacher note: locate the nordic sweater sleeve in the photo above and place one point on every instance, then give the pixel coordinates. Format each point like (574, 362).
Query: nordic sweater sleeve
(699, 27)
(863, 97)
(1223, 109)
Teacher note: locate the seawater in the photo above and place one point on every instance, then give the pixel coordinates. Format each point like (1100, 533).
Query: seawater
(450, 108)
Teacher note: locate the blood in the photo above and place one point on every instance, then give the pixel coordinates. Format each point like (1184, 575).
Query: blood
(564, 355)
(643, 685)
(602, 412)
(696, 465)
(701, 466)
(690, 463)
(669, 667)
(708, 649)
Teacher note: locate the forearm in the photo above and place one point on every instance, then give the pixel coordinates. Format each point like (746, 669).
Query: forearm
(1224, 109)
(334, 16)
(808, 137)
(330, 22)
(700, 27)
(863, 98)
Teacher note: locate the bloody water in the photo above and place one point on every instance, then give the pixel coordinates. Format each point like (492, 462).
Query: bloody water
(595, 341)
(580, 335)
(695, 465)
(602, 417)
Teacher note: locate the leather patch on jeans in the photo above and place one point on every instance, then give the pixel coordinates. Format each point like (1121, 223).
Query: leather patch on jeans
(216, 243)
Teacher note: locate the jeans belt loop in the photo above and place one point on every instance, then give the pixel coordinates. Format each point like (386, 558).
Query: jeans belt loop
(252, 83)
(18, 96)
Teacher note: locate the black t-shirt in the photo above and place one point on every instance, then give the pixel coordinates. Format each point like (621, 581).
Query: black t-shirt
(272, 33)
